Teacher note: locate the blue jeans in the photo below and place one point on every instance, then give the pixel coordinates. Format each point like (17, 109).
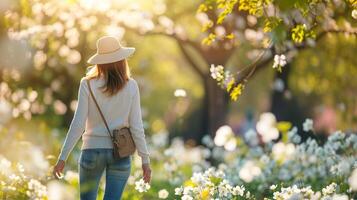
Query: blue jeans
(92, 163)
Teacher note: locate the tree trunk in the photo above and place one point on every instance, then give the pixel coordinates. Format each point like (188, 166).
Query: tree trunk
(284, 105)
(215, 106)
(207, 117)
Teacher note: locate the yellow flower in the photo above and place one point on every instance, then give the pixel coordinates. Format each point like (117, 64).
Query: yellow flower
(209, 39)
(202, 8)
(298, 33)
(230, 84)
(236, 92)
(205, 194)
(189, 183)
(230, 36)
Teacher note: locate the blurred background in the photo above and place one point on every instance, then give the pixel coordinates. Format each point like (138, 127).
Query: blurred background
(44, 46)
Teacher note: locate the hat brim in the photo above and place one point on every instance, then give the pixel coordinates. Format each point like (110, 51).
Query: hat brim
(115, 56)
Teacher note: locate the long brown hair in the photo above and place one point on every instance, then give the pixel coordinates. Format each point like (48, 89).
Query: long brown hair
(116, 75)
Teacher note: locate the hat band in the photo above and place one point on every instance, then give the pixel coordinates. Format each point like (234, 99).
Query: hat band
(110, 51)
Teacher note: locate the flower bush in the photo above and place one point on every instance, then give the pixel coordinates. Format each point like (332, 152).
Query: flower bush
(298, 169)
(16, 184)
(240, 167)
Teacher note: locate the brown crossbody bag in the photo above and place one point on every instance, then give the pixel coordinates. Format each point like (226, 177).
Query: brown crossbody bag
(122, 139)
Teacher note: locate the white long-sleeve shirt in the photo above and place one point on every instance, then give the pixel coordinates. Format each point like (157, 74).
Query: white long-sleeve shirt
(121, 109)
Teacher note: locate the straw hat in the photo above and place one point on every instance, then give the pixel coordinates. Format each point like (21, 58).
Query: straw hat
(109, 50)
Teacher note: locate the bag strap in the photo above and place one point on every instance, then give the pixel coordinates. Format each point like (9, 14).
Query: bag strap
(100, 112)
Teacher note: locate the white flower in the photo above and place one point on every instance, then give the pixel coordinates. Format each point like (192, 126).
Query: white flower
(249, 171)
(353, 180)
(308, 125)
(59, 107)
(266, 127)
(160, 139)
(115, 31)
(223, 134)
(141, 186)
(224, 188)
(354, 13)
(36, 189)
(71, 176)
(273, 187)
(340, 197)
(187, 190)
(39, 59)
(279, 61)
(330, 189)
(186, 197)
(74, 57)
(231, 144)
(217, 72)
(220, 31)
(198, 178)
(238, 190)
(57, 190)
(179, 190)
(163, 194)
(180, 93)
(282, 152)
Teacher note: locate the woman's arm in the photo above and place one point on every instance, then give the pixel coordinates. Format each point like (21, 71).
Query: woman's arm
(77, 126)
(136, 126)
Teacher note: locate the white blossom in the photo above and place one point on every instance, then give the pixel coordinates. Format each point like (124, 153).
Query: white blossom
(180, 93)
(186, 197)
(266, 127)
(163, 194)
(330, 189)
(217, 72)
(142, 186)
(308, 125)
(273, 187)
(354, 13)
(179, 190)
(279, 61)
(249, 171)
(223, 134)
(282, 152)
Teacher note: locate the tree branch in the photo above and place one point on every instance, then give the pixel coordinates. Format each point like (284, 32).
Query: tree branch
(193, 44)
(181, 43)
(191, 61)
(256, 66)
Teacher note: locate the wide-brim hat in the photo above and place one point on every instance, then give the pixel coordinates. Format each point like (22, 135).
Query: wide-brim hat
(109, 50)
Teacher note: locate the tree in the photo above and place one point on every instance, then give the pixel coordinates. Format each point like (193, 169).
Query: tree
(279, 30)
(66, 27)
(58, 32)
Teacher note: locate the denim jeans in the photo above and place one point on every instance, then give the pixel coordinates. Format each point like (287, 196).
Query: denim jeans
(92, 163)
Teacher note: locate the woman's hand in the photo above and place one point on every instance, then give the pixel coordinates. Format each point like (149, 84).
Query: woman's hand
(57, 170)
(146, 173)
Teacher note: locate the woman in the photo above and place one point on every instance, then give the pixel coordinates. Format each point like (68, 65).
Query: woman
(118, 97)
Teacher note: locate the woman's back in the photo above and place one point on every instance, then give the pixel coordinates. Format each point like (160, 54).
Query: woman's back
(116, 108)
(120, 109)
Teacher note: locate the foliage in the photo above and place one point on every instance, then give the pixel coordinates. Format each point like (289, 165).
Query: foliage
(45, 45)
(288, 25)
(319, 79)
